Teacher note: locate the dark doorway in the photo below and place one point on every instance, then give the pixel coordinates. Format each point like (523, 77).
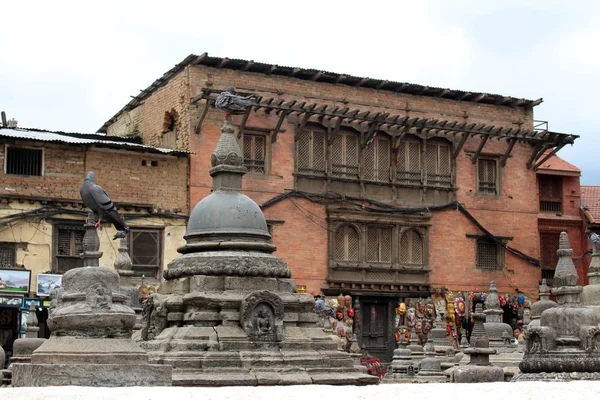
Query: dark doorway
(377, 331)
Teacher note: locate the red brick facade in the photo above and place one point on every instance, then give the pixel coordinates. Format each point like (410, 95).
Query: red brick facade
(301, 227)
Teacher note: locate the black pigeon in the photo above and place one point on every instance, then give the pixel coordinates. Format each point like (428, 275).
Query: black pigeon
(232, 103)
(96, 199)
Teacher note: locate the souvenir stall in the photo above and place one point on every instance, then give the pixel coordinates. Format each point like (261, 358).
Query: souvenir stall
(14, 286)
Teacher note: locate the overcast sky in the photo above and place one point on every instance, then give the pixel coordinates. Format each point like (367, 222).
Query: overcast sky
(70, 66)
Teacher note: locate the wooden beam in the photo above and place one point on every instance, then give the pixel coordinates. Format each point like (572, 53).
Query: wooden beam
(462, 142)
(511, 144)
(372, 127)
(481, 145)
(247, 66)
(302, 124)
(361, 82)
(243, 123)
(223, 62)
(339, 78)
(316, 76)
(536, 102)
(539, 149)
(294, 72)
(335, 130)
(202, 116)
(547, 157)
(465, 95)
(200, 58)
(443, 93)
(381, 84)
(278, 126)
(479, 97)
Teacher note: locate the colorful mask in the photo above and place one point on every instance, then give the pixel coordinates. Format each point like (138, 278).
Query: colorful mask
(401, 309)
(351, 312)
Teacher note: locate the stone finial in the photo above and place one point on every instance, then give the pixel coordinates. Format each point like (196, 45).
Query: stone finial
(544, 290)
(123, 261)
(429, 348)
(565, 274)
(227, 151)
(479, 337)
(32, 322)
(493, 311)
(91, 243)
(594, 269)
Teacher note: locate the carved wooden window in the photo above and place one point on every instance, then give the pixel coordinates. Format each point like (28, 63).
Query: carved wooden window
(379, 244)
(548, 247)
(68, 247)
(487, 176)
(411, 248)
(255, 150)
(438, 164)
(7, 255)
(169, 129)
(408, 167)
(310, 152)
(24, 161)
(145, 250)
(550, 193)
(490, 256)
(344, 156)
(377, 160)
(345, 246)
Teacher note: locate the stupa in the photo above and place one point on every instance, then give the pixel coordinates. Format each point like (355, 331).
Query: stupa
(591, 292)
(541, 305)
(566, 344)
(91, 327)
(230, 314)
(494, 326)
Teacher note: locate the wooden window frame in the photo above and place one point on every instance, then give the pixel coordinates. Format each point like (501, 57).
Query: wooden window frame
(40, 149)
(74, 258)
(404, 176)
(346, 250)
(310, 170)
(144, 269)
(497, 186)
(266, 150)
(437, 178)
(344, 168)
(411, 258)
(12, 249)
(481, 241)
(550, 204)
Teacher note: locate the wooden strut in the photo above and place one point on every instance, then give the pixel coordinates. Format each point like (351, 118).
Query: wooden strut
(201, 120)
(481, 146)
(511, 144)
(463, 140)
(537, 152)
(547, 157)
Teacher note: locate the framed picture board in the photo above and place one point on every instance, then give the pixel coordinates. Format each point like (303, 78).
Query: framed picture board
(11, 301)
(47, 282)
(15, 281)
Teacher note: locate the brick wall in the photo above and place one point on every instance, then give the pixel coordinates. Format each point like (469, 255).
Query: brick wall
(302, 240)
(119, 172)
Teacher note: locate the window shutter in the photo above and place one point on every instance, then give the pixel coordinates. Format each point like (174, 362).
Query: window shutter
(346, 244)
(379, 245)
(408, 168)
(411, 248)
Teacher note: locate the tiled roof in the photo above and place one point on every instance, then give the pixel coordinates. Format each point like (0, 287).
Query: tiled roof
(85, 138)
(320, 76)
(590, 200)
(557, 164)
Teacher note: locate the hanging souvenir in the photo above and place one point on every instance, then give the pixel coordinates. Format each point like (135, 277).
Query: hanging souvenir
(502, 300)
(459, 306)
(521, 299)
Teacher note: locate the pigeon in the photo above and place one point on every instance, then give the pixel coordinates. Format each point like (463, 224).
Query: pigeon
(595, 238)
(96, 199)
(232, 103)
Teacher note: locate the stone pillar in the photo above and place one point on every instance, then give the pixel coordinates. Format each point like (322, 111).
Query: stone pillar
(32, 322)
(91, 243)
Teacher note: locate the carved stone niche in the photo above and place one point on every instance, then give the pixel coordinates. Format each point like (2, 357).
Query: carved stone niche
(261, 317)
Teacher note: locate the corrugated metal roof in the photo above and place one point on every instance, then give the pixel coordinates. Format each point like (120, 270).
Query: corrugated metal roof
(321, 76)
(84, 139)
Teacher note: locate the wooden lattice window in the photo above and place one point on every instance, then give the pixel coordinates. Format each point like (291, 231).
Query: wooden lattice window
(379, 244)
(408, 167)
(345, 244)
(24, 161)
(487, 176)
(68, 248)
(255, 151)
(437, 157)
(550, 193)
(310, 152)
(344, 156)
(7, 255)
(548, 247)
(489, 255)
(377, 160)
(548, 275)
(145, 250)
(411, 248)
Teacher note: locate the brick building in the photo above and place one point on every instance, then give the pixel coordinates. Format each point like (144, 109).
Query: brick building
(379, 189)
(42, 215)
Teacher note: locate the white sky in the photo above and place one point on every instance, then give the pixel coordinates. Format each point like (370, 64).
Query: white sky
(71, 66)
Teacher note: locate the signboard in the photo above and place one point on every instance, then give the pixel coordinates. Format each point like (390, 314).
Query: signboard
(47, 282)
(11, 301)
(15, 281)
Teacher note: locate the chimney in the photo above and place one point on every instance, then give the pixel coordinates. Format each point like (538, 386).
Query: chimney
(3, 119)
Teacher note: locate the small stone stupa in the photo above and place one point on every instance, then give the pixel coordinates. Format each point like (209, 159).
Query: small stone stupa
(479, 368)
(566, 344)
(493, 318)
(430, 369)
(591, 292)
(91, 327)
(542, 305)
(230, 314)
